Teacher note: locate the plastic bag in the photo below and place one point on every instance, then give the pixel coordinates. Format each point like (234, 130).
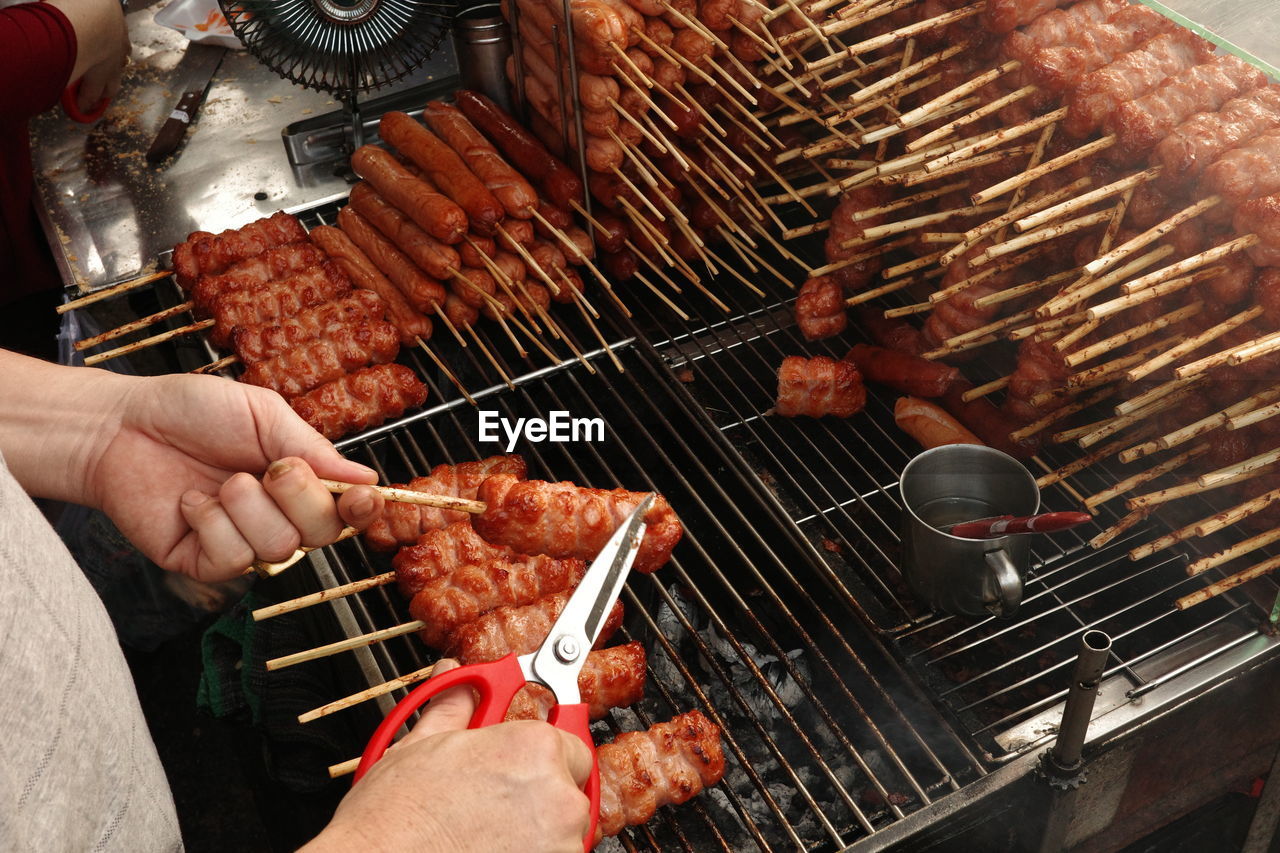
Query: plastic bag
(201, 21)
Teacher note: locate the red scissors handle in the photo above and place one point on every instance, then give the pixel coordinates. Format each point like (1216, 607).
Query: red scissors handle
(497, 683)
(70, 105)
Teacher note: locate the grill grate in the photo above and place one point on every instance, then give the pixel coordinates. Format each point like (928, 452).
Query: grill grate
(836, 482)
(813, 706)
(846, 706)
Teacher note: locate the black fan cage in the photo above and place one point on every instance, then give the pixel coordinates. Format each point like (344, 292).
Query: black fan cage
(342, 47)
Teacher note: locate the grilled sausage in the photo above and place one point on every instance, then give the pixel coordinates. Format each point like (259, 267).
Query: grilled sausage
(669, 764)
(412, 325)
(556, 180)
(421, 291)
(563, 520)
(436, 259)
(267, 340)
(435, 214)
(445, 604)
(819, 386)
(403, 524)
(519, 630)
(902, 371)
(438, 553)
(445, 168)
(322, 360)
(204, 254)
(820, 308)
(272, 264)
(508, 186)
(360, 400)
(610, 678)
(272, 301)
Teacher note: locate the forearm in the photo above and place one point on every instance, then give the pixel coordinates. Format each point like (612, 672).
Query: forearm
(96, 24)
(55, 422)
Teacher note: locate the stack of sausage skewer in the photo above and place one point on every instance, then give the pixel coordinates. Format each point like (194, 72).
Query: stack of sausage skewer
(1135, 270)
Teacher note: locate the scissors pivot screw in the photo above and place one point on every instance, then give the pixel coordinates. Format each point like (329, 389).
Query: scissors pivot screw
(567, 649)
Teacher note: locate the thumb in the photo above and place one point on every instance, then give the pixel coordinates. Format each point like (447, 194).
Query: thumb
(292, 436)
(450, 711)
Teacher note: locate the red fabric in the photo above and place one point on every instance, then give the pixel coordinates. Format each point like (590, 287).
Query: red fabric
(37, 55)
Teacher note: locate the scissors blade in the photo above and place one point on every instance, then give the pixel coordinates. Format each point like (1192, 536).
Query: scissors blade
(558, 661)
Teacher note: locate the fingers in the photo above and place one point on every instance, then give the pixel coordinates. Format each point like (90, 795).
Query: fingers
(450, 711)
(260, 519)
(579, 759)
(307, 505)
(224, 553)
(360, 507)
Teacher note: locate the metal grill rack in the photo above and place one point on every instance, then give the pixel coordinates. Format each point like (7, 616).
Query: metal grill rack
(816, 713)
(834, 483)
(846, 706)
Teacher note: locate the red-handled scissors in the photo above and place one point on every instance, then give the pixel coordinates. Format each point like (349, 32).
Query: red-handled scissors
(555, 664)
(71, 105)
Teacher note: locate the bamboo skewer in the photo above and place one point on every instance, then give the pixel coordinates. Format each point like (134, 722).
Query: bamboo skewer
(147, 342)
(215, 366)
(878, 231)
(1034, 174)
(365, 695)
(1124, 524)
(940, 133)
(996, 139)
(1078, 464)
(1202, 426)
(1110, 259)
(1239, 549)
(264, 569)
(1219, 359)
(1230, 472)
(444, 368)
(106, 293)
(1193, 343)
(1088, 286)
(1184, 490)
(1133, 333)
(1165, 287)
(925, 111)
(132, 326)
(344, 645)
(1129, 483)
(410, 496)
(985, 389)
(1135, 403)
(1040, 424)
(1033, 238)
(1086, 200)
(973, 235)
(1227, 584)
(295, 604)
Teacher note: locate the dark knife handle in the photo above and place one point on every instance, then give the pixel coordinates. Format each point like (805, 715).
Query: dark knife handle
(174, 127)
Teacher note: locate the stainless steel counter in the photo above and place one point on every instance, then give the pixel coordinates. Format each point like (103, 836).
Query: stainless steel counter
(109, 214)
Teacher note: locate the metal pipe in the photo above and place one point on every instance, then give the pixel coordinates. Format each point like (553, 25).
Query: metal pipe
(1095, 646)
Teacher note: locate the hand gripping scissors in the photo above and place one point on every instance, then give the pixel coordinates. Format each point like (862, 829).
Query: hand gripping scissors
(555, 664)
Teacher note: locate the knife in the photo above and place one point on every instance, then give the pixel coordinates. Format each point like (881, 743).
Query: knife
(1005, 525)
(195, 70)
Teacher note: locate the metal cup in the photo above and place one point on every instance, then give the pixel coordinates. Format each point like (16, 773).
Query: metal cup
(963, 482)
(482, 42)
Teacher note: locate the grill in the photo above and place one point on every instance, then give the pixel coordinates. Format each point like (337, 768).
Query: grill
(846, 707)
(852, 716)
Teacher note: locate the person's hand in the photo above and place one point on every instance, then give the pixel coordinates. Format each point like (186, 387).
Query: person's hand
(102, 48)
(177, 475)
(511, 787)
